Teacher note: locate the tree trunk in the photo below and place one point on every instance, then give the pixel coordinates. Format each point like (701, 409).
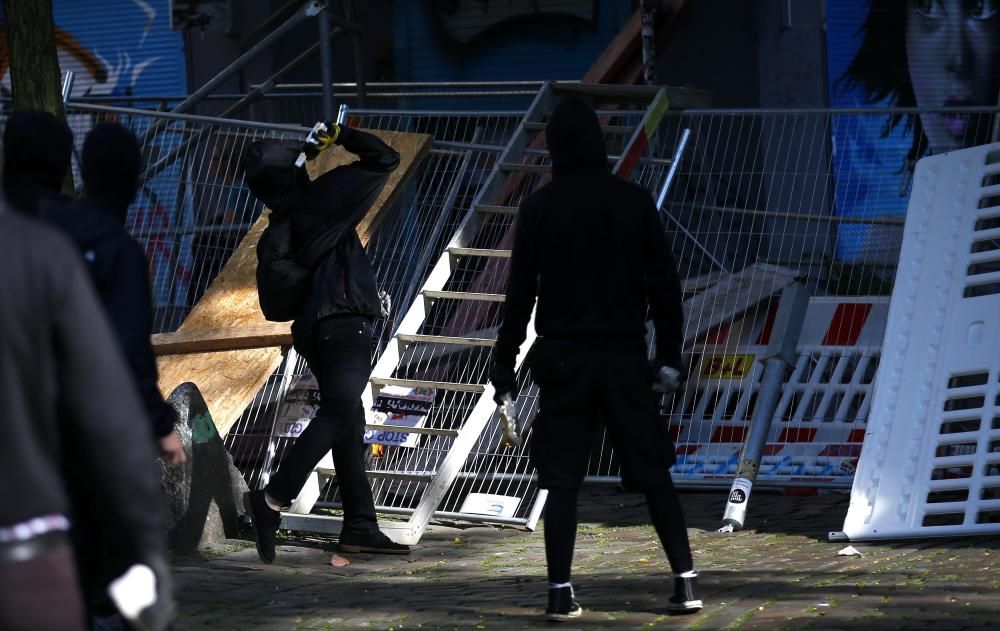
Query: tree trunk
(34, 62)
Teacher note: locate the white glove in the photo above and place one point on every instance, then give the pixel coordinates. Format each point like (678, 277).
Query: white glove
(667, 380)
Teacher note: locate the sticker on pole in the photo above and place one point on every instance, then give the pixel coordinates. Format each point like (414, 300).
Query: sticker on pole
(726, 366)
(494, 505)
(397, 408)
(299, 408)
(740, 491)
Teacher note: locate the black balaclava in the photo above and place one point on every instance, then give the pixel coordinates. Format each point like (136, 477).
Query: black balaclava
(271, 174)
(112, 166)
(574, 138)
(37, 148)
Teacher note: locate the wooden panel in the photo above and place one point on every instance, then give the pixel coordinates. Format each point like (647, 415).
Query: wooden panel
(230, 379)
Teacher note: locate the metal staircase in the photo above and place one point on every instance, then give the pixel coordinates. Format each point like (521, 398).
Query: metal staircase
(444, 342)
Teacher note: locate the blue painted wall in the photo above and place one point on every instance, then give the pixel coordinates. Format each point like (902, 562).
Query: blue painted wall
(520, 51)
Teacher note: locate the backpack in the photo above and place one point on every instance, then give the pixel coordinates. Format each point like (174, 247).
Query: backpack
(283, 285)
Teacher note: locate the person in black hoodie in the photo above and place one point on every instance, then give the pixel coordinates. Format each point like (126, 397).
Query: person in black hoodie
(111, 169)
(592, 247)
(37, 148)
(66, 397)
(332, 327)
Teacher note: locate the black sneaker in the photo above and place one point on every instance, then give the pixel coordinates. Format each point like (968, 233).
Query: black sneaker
(265, 523)
(562, 605)
(375, 542)
(685, 598)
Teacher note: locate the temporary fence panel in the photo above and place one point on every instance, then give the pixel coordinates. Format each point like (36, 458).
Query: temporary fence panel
(931, 461)
(753, 186)
(444, 344)
(193, 207)
(777, 187)
(419, 224)
(820, 419)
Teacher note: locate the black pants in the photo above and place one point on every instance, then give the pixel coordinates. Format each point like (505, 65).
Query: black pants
(339, 354)
(581, 386)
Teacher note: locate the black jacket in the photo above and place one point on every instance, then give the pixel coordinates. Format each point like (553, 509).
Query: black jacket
(592, 248)
(324, 215)
(57, 347)
(120, 273)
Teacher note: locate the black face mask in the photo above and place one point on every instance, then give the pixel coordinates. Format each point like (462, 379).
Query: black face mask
(574, 138)
(270, 172)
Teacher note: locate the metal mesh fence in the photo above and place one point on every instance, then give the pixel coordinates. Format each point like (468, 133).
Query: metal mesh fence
(193, 207)
(817, 196)
(814, 195)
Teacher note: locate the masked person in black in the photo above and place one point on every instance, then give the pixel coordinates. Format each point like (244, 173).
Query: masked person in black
(592, 248)
(69, 412)
(37, 148)
(312, 229)
(111, 169)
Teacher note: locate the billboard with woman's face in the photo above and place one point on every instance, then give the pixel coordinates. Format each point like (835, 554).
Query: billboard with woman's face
(904, 53)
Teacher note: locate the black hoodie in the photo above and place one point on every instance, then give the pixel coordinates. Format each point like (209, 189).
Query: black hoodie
(324, 214)
(57, 342)
(116, 262)
(592, 247)
(37, 148)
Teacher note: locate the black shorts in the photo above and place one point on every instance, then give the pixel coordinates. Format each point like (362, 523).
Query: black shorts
(581, 387)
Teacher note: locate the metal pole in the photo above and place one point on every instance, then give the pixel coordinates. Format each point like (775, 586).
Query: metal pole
(326, 65)
(291, 360)
(678, 154)
(257, 92)
(67, 85)
(649, 41)
(780, 355)
(309, 10)
(359, 43)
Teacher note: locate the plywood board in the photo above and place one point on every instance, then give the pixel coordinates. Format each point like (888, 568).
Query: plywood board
(229, 339)
(229, 380)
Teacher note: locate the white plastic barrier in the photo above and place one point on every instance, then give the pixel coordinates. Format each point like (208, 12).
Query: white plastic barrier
(931, 459)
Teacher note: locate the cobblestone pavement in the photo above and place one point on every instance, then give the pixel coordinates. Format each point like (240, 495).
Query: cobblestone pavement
(780, 573)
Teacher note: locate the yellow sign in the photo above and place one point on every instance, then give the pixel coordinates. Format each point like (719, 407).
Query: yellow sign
(726, 366)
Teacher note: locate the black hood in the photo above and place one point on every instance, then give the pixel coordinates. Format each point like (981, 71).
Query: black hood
(270, 171)
(37, 148)
(574, 138)
(112, 166)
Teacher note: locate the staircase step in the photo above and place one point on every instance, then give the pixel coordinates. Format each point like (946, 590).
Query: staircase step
(503, 254)
(463, 295)
(426, 431)
(437, 385)
(386, 475)
(525, 168)
(488, 209)
(607, 129)
(445, 339)
(606, 91)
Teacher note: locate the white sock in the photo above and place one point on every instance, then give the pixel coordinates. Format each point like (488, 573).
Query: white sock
(272, 503)
(561, 585)
(688, 574)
